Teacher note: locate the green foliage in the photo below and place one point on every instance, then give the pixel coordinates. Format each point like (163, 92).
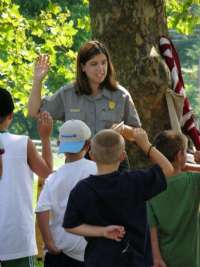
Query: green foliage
(28, 28)
(183, 15)
(192, 76)
(79, 12)
(192, 90)
(22, 39)
(188, 47)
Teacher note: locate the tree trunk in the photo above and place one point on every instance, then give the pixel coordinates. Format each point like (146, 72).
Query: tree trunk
(131, 30)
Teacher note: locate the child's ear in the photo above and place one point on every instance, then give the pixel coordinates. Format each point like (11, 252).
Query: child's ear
(179, 156)
(10, 116)
(122, 156)
(87, 145)
(91, 156)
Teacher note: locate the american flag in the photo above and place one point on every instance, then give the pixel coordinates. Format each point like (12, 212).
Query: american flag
(171, 57)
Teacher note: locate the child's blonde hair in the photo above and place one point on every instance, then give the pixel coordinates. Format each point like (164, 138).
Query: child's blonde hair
(107, 146)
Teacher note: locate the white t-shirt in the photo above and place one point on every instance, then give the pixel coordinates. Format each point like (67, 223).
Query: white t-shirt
(17, 227)
(54, 197)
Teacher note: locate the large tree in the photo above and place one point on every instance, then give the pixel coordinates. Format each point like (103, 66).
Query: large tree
(131, 31)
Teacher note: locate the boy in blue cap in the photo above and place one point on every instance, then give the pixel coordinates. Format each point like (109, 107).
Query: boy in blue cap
(61, 248)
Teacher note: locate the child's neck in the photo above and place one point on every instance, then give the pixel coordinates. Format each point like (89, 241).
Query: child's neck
(71, 157)
(177, 169)
(107, 168)
(4, 125)
(3, 128)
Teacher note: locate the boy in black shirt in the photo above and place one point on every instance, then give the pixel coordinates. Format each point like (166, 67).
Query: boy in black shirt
(116, 198)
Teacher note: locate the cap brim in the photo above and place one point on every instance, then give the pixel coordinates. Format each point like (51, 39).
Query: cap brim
(71, 147)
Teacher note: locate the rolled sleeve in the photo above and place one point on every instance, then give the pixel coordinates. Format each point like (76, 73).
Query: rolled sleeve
(145, 183)
(72, 217)
(54, 105)
(131, 116)
(44, 201)
(154, 183)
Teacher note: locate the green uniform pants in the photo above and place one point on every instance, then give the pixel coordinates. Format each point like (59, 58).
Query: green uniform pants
(22, 262)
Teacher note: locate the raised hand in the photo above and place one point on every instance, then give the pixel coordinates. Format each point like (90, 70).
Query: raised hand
(41, 68)
(141, 138)
(45, 124)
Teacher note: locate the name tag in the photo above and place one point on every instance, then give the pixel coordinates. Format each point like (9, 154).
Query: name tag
(75, 110)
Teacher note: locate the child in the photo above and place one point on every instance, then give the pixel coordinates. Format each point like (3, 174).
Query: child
(114, 197)
(64, 249)
(174, 214)
(17, 234)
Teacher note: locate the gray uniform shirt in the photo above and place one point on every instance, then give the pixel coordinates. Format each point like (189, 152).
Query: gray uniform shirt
(98, 112)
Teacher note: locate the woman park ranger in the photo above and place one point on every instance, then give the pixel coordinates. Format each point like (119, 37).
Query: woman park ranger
(95, 96)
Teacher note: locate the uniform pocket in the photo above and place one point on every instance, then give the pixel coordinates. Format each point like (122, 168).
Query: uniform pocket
(75, 114)
(112, 116)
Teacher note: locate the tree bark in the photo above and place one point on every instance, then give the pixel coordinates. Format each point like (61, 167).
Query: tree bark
(131, 30)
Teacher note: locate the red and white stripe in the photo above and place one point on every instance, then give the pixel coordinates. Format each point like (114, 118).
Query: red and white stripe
(170, 55)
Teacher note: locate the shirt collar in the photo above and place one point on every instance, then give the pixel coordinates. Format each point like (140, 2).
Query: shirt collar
(106, 93)
(103, 93)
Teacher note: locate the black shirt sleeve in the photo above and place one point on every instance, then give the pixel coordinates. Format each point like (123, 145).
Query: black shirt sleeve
(145, 184)
(154, 183)
(72, 217)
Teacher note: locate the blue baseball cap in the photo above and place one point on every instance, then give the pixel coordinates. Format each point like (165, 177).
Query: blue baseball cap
(72, 136)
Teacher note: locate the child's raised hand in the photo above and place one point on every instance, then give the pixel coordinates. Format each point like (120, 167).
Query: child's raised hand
(141, 137)
(114, 232)
(41, 67)
(125, 130)
(44, 125)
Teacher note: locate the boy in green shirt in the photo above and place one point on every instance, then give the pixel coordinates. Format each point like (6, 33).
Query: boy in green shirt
(174, 214)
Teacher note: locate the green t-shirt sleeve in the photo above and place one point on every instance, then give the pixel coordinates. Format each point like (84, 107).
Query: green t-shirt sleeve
(151, 215)
(195, 177)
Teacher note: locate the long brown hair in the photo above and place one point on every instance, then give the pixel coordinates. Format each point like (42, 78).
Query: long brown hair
(86, 52)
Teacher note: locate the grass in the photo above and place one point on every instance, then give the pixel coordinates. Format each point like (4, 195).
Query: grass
(39, 263)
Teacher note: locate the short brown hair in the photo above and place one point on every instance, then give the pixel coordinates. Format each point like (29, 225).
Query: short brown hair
(106, 146)
(6, 104)
(169, 143)
(86, 52)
